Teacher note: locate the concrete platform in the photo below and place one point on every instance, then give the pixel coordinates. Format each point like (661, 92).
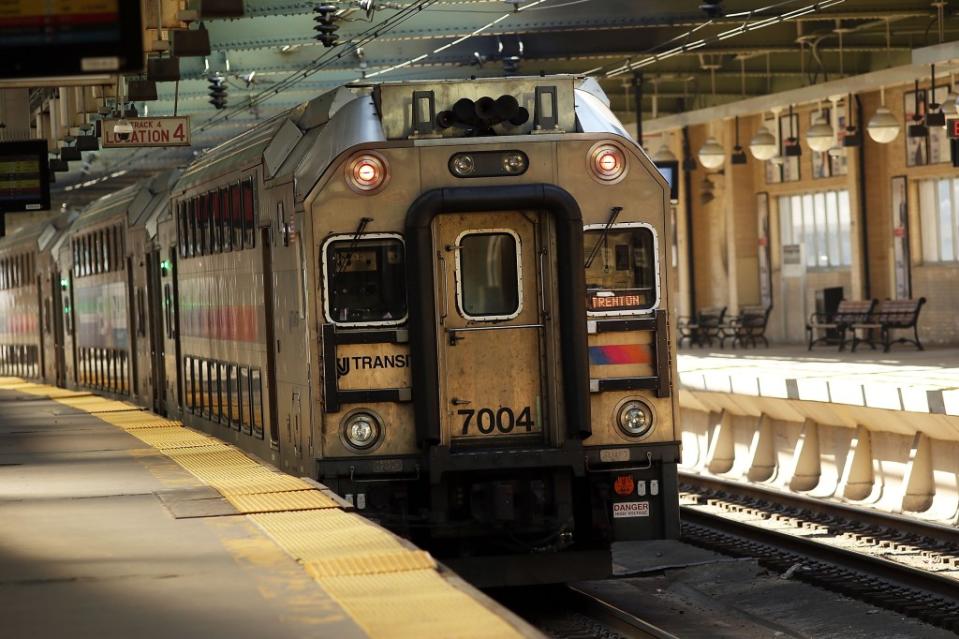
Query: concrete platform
(132, 529)
(871, 428)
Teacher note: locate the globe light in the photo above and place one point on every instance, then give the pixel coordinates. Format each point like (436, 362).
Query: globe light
(763, 145)
(883, 127)
(712, 155)
(820, 136)
(664, 154)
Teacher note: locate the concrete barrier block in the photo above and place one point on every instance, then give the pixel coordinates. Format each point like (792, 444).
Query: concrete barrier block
(882, 396)
(857, 479)
(770, 386)
(918, 477)
(745, 385)
(846, 392)
(815, 390)
(695, 436)
(721, 455)
(806, 462)
(835, 443)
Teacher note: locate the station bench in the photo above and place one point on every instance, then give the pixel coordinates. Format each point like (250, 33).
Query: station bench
(702, 329)
(747, 327)
(888, 316)
(831, 328)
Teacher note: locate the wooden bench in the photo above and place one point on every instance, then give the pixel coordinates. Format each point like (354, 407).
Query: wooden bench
(702, 329)
(747, 327)
(888, 316)
(849, 312)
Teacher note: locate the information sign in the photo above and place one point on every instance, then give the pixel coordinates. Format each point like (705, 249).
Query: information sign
(147, 132)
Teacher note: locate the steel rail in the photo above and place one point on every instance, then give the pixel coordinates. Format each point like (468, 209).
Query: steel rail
(860, 515)
(615, 618)
(901, 574)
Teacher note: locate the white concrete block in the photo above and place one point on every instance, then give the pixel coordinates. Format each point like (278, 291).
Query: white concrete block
(845, 392)
(773, 387)
(882, 396)
(815, 390)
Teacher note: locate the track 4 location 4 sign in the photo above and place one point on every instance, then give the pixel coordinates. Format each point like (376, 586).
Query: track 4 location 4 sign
(147, 132)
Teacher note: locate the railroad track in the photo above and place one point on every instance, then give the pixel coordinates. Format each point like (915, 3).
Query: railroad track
(888, 561)
(566, 612)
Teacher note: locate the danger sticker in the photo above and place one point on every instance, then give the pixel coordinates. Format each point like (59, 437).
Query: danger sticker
(631, 509)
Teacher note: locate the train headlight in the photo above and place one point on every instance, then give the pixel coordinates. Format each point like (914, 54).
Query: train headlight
(635, 418)
(607, 162)
(462, 165)
(367, 172)
(361, 430)
(514, 162)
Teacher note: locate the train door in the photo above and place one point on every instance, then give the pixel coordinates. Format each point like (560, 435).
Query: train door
(56, 316)
(156, 337)
(490, 338)
(268, 306)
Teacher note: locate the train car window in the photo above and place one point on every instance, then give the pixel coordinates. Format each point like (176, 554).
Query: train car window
(245, 402)
(223, 395)
(236, 216)
(365, 280)
(181, 231)
(3, 274)
(488, 281)
(621, 278)
(168, 310)
(226, 232)
(203, 223)
(106, 249)
(213, 399)
(236, 396)
(202, 397)
(117, 247)
(191, 231)
(249, 215)
(256, 401)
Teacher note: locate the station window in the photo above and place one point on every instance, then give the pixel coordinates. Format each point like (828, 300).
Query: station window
(365, 280)
(488, 275)
(620, 268)
(939, 219)
(821, 222)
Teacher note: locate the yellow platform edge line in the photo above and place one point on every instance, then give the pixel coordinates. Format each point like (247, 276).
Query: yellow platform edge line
(392, 591)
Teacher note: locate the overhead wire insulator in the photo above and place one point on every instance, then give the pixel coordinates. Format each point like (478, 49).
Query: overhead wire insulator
(325, 26)
(218, 92)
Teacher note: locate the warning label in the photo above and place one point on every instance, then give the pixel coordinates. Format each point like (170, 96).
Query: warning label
(631, 509)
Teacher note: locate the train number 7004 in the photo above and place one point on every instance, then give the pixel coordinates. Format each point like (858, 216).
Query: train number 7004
(504, 420)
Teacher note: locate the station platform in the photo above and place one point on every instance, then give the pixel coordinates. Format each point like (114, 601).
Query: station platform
(877, 429)
(115, 522)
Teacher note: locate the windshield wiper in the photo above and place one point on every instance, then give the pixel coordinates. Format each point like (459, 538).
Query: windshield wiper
(613, 214)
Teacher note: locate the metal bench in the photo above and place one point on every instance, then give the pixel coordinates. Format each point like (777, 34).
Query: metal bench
(747, 327)
(890, 315)
(704, 328)
(831, 329)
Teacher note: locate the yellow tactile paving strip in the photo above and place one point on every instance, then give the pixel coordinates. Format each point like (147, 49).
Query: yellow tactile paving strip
(391, 589)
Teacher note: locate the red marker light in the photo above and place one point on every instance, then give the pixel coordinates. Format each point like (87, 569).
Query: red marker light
(607, 162)
(366, 173)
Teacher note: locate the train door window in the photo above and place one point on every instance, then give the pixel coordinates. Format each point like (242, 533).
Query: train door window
(488, 281)
(213, 407)
(202, 399)
(3, 274)
(249, 215)
(168, 310)
(620, 269)
(256, 403)
(365, 280)
(141, 313)
(106, 249)
(236, 216)
(46, 315)
(203, 223)
(118, 260)
(245, 401)
(188, 383)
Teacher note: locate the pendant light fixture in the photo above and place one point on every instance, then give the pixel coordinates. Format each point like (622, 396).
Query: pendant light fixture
(738, 156)
(664, 154)
(883, 127)
(792, 149)
(712, 155)
(763, 145)
(934, 114)
(820, 136)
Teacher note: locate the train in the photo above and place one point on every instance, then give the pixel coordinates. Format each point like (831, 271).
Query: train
(447, 301)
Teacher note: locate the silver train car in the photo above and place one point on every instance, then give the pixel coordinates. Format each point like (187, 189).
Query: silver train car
(447, 301)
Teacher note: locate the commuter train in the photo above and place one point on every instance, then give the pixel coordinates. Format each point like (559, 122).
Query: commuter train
(447, 301)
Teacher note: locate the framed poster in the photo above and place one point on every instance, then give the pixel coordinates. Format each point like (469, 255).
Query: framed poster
(765, 272)
(783, 168)
(933, 148)
(825, 164)
(902, 268)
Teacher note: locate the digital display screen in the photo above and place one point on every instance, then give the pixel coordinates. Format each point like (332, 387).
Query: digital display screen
(24, 180)
(43, 38)
(670, 171)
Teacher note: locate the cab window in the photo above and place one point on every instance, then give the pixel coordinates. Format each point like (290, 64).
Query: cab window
(488, 277)
(365, 280)
(620, 269)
